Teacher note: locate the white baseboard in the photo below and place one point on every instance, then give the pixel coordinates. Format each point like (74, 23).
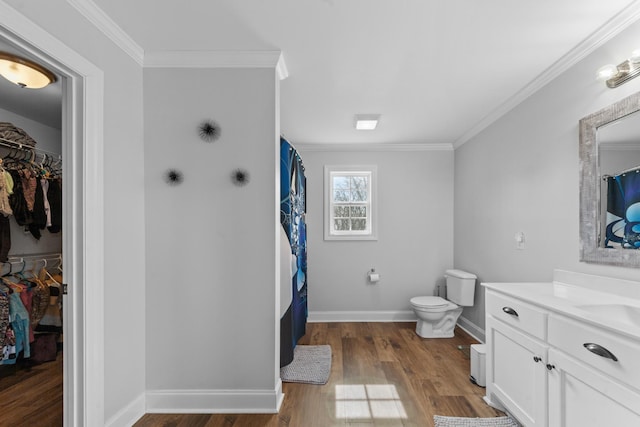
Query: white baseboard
(215, 401)
(361, 316)
(472, 329)
(128, 415)
(386, 316)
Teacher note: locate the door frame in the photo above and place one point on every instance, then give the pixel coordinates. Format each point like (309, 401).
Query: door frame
(83, 217)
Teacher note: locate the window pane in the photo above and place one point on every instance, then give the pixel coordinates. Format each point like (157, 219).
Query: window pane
(341, 224)
(359, 182)
(341, 195)
(359, 224)
(359, 211)
(341, 211)
(359, 196)
(359, 188)
(340, 182)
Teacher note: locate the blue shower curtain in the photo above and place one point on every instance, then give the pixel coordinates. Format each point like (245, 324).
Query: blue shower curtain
(293, 250)
(623, 211)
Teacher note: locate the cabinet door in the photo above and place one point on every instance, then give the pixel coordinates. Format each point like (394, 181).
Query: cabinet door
(516, 373)
(581, 396)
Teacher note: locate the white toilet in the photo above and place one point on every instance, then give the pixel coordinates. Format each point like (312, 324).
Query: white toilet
(437, 316)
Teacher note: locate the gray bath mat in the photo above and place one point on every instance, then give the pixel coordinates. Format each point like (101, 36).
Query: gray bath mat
(474, 422)
(311, 364)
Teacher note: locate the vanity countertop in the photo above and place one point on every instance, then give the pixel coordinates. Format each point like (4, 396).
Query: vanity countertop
(604, 302)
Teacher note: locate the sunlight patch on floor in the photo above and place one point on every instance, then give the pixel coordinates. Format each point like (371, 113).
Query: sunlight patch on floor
(368, 401)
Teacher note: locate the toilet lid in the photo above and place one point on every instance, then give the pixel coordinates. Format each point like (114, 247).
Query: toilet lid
(429, 301)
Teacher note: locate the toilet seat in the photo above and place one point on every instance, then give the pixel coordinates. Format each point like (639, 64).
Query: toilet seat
(430, 302)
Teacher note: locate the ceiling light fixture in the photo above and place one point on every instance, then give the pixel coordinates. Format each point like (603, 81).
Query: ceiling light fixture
(367, 121)
(23, 72)
(623, 72)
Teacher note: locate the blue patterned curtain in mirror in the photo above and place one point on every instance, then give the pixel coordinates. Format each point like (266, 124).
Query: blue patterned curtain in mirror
(623, 211)
(293, 251)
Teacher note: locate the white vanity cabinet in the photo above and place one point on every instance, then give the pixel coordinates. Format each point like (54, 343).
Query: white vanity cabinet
(553, 360)
(594, 375)
(581, 396)
(516, 362)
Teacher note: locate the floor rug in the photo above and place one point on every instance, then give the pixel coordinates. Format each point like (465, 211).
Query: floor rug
(474, 422)
(311, 364)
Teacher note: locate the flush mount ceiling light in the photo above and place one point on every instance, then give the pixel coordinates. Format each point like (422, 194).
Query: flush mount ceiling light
(367, 121)
(23, 72)
(623, 72)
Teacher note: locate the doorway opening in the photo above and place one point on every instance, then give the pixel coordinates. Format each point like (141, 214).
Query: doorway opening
(82, 218)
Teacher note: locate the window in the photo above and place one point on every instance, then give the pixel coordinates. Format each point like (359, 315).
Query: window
(350, 203)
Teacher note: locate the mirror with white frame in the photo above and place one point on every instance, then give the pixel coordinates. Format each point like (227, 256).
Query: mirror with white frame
(610, 184)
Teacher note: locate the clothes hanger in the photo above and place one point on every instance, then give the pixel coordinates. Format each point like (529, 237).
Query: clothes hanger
(46, 272)
(20, 274)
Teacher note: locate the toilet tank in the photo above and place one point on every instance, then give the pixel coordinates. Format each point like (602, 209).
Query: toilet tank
(461, 287)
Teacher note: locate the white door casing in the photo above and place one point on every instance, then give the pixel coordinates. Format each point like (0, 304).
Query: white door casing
(83, 237)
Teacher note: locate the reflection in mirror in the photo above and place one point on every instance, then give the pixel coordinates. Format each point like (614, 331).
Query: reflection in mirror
(619, 167)
(609, 194)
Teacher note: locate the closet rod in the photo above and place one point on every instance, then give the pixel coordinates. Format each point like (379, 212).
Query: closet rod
(47, 255)
(34, 258)
(12, 144)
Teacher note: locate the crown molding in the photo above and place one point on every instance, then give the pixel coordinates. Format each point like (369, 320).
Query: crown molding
(218, 59)
(109, 28)
(610, 29)
(371, 147)
(281, 68)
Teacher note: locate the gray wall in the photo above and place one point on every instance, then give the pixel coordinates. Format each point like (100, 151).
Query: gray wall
(415, 229)
(124, 274)
(521, 174)
(211, 246)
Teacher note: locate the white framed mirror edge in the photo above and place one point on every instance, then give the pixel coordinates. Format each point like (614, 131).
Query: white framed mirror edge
(590, 251)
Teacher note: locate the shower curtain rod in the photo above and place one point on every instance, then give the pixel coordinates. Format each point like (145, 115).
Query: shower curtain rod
(633, 169)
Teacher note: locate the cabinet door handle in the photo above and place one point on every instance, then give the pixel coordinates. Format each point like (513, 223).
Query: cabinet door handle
(600, 351)
(537, 359)
(510, 311)
(550, 366)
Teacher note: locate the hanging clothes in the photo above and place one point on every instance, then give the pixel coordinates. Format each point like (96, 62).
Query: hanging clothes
(39, 215)
(5, 206)
(21, 212)
(51, 320)
(54, 196)
(292, 219)
(44, 183)
(41, 297)
(4, 315)
(19, 319)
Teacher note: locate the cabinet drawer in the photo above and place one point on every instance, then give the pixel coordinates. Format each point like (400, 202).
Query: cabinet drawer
(519, 314)
(571, 336)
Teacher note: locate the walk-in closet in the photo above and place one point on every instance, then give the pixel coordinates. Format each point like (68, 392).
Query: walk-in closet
(31, 252)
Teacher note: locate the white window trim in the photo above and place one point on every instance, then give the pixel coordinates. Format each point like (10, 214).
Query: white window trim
(373, 215)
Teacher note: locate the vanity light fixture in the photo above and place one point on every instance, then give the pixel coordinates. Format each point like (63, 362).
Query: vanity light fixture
(24, 72)
(367, 121)
(623, 72)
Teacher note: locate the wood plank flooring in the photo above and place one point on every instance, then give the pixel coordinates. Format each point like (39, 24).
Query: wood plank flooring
(382, 374)
(32, 396)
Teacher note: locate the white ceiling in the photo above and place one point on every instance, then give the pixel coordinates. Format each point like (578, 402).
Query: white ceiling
(433, 69)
